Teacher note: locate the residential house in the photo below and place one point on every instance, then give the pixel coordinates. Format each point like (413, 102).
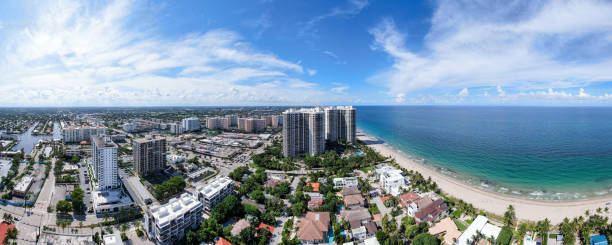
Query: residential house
(315, 203)
(313, 228)
(353, 201)
(346, 182)
(447, 230)
(479, 225)
(239, 226)
(356, 217)
(432, 211)
(359, 233)
(392, 180)
(408, 198)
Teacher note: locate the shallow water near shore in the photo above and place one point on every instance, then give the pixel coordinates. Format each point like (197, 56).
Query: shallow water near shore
(545, 153)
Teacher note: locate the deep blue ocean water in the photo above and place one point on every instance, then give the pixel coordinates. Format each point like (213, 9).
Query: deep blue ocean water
(534, 152)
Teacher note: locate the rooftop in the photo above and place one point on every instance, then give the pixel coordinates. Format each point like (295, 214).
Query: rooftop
(103, 141)
(174, 208)
(212, 188)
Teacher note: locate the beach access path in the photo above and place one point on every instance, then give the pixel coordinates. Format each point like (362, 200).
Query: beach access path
(526, 209)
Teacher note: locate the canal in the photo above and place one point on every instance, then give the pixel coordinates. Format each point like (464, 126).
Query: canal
(27, 141)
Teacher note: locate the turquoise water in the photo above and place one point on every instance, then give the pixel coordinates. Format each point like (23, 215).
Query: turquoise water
(533, 152)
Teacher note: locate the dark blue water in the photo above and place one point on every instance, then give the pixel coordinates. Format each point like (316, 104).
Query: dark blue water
(536, 152)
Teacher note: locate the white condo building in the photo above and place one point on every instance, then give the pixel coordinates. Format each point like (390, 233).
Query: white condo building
(391, 179)
(214, 192)
(303, 132)
(84, 133)
(191, 124)
(217, 123)
(340, 123)
(170, 222)
(104, 152)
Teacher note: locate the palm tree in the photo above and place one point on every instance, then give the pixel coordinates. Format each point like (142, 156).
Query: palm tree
(123, 227)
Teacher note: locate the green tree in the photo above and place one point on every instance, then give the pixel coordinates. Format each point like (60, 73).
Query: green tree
(505, 236)
(63, 206)
(247, 236)
(425, 239)
(258, 196)
(77, 200)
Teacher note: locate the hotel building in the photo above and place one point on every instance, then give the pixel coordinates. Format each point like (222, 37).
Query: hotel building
(104, 152)
(303, 132)
(169, 223)
(149, 155)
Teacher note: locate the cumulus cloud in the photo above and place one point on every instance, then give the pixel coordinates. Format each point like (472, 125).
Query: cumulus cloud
(77, 54)
(514, 44)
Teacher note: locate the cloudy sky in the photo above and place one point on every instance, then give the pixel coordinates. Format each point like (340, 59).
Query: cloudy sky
(272, 52)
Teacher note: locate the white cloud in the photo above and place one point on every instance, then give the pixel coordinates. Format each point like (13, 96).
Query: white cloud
(517, 45)
(400, 98)
(311, 72)
(340, 89)
(500, 91)
(464, 93)
(353, 8)
(75, 54)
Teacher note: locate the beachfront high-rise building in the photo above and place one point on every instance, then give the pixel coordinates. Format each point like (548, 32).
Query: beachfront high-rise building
(191, 124)
(340, 124)
(83, 133)
(149, 155)
(303, 132)
(104, 154)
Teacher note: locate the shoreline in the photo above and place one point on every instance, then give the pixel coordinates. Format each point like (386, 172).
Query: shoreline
(526, 209)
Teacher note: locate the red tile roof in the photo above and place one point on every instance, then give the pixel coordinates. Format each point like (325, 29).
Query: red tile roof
(315, 186)
(222, 241)
(4, 230)
(267, 227)
(407, 198)
(385, 198)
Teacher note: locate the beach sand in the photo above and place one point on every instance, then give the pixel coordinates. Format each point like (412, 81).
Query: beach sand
(526, 209)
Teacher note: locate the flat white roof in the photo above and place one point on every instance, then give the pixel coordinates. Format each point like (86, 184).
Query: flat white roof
(490, 230)
(215, 186)
(476, 225)
(24, 184)
(371, 241)
(113, 239)
(174, 208)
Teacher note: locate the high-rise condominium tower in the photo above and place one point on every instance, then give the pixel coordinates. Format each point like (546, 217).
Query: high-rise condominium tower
(149, 155)
(104, 152)
(340, 123)
(303, 132)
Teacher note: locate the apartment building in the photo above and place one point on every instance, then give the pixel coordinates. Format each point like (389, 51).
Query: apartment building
(340, 124)
(170, 222)
(84, 133)
(149, 155)
(214, 192)
(104, 155)
(191, 124)
(303, 132)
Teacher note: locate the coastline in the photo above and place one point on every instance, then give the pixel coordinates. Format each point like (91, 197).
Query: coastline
(526, 209)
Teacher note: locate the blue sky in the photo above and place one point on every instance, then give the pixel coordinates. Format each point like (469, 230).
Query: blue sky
(272, 52)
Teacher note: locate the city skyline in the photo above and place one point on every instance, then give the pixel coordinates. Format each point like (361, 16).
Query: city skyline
(262, 53)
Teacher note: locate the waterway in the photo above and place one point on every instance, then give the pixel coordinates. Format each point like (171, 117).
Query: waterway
(27, 141)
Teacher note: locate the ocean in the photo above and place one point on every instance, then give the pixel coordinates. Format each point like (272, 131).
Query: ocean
(552, 153)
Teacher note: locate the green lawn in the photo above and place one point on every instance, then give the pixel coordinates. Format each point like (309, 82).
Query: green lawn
(460, 225)
(373, 209)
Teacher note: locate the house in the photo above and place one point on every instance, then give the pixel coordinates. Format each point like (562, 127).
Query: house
(4, 227)
(313, 228)
(353, 201)
(314, 203)
(359, 233)
(447, 229)
(267, 227)
(222, 241)
(356, 217)
(479, 225)
(314, 185)
(350, 191)
(599, 240)
(346, 182)
(271, 183)
(408, 198)
(430, 210)
(239, 226)
(371, 228)
(391, 179)
(371, 241)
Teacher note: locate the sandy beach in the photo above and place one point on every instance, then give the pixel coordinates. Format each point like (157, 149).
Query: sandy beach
(526, 209)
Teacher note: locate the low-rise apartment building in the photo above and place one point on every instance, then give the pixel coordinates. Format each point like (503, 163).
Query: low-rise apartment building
(170, 222)
(214, 192)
